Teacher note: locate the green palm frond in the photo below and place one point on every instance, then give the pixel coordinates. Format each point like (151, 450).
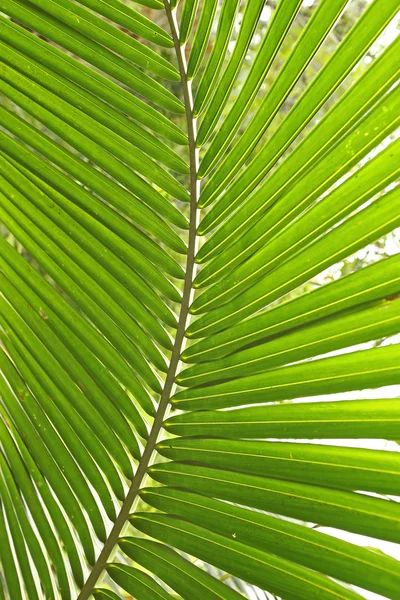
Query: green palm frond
(173, 178)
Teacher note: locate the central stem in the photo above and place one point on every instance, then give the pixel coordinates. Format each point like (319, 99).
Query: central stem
(143, 465)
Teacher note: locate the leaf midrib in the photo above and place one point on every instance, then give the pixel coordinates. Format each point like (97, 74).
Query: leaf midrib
(145, 460)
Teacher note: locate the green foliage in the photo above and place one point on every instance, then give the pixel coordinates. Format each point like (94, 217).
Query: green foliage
(175, 181)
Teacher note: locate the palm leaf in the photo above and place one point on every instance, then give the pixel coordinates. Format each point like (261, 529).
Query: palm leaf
(104, 491)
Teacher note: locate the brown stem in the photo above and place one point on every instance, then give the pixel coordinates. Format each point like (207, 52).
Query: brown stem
(123, 515)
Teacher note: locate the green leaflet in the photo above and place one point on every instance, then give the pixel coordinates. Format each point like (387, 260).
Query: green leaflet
(83, 232)
(95, 83)
(318, 27)
(258, 567)
(151, 3)
(374, 176)
(201, 37)
(130, 206)
(214, 64)
(135, 582)
(176, 571)
(56, 465)
(327, 506)
(13, 504)
(54, 242)
(92, 52)
(378, 219)
(46, 299)
(130, 19)
(25, 484)
(377, 281)
(43, 387)
(104, 594)
(14, 326)
(348, 52)
(90, 307)
(99, 30)
(19, 546)
(92, 366)
(323, 337)
(310, 548)
(347, 419)
(276, 32)
(219, 98)
(367, 368)
(65, 427)
(187, 17)
(37, 101)
(7, 561)
(316, 145)
(338, 467)
(93, 107)
(125, 241)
